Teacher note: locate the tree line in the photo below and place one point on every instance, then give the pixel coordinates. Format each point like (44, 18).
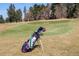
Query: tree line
(42, 12)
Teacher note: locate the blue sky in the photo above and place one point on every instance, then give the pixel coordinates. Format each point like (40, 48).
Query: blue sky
(5, 6)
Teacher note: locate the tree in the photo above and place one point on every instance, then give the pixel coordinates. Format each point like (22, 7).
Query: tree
(71, 8)
(60, 10)
(38, 12)
(35, 11)
(1, 19)
(25, 14)
(7, 20)
(18, 15)
(45, 11)
(64, 10)
(11, 13)
(53, 5)
(76, 13)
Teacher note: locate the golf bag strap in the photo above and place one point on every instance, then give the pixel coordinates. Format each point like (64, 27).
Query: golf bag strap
(30, 42)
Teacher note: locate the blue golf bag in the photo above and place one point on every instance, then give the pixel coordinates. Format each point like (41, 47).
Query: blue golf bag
(30, 43)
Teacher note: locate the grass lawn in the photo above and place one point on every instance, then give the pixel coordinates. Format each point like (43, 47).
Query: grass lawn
(61, 37)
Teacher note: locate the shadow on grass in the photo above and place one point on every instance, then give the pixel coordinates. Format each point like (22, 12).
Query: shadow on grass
(36, 46)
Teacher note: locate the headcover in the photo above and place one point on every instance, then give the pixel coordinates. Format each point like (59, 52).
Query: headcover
(41, 29)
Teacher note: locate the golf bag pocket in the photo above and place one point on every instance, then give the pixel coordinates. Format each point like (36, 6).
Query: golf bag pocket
(25, 47)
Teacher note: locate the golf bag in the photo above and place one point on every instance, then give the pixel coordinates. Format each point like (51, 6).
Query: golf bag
(30, 43)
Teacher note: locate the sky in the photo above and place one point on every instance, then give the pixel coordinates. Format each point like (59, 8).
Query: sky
(5, 6)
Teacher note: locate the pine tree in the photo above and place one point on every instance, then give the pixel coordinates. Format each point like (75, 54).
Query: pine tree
(11, 13)
(53, 6)
(71, 8)
(76, 14)
(1, 19)
(25, 14)
(18, 15)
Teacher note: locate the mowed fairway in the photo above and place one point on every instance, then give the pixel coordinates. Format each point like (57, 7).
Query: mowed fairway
(61, 37)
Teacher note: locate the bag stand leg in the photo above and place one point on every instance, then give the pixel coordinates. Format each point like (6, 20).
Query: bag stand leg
(42, 47)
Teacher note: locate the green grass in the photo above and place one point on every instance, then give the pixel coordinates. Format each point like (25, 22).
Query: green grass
(55, 41)
(52, 28)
